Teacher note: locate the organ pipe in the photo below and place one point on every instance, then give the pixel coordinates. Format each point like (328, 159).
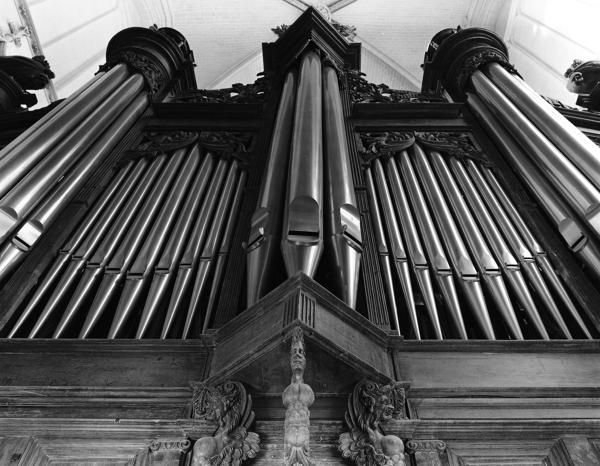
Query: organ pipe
(302, 238)
(23, 197)
(266, 220)
(342, 220)
(563, 134)
(433, 244)
(579, 192)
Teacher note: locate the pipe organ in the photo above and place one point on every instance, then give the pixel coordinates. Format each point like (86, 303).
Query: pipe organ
(436, 252)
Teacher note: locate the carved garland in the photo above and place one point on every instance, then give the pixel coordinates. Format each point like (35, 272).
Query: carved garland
(369, 405)
(154, 76)
(238, 93)
(230, 408)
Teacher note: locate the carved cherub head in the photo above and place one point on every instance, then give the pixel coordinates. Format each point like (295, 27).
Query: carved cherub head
(583, 76)
(297, 354)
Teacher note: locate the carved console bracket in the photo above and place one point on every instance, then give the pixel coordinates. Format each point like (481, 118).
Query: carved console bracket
(427, 452)
(369, 406)
(229, 407)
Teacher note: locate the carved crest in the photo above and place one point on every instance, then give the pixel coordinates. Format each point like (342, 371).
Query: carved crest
(362, 91)
(369, 405)
(230, 407)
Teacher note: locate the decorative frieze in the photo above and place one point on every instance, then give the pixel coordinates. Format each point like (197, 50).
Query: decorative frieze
(369, 405)
(230, 407)
(253, 93)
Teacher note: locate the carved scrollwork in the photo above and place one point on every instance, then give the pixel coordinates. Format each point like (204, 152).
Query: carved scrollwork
(425, 445)
(230, 407)
(226, 143)
(180, 445)
(475, 61)
(369, 405)
(153, 74)
(362, 91)
(253, 93)
(384, 143)
(156, 143)
(456, 144)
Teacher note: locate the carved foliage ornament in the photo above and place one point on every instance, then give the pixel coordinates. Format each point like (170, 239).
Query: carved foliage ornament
(230, 407)
(362, 91)
(472, 63)
(236, 94)
(369, 405)
(456, 144)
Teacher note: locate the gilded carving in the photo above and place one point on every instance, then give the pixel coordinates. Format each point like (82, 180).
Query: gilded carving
(369, 405)
(230, 407)
(297, 399)
(362, 91)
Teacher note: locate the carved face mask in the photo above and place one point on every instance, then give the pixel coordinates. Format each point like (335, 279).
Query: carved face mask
(298, 359)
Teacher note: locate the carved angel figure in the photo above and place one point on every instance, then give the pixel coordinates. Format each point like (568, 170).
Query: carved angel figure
(229, 406)
(366, 444)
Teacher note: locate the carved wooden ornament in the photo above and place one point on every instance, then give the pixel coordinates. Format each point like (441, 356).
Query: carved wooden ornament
(369, 405)
(230, 407)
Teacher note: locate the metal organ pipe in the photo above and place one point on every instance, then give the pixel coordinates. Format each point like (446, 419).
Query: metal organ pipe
(29, 232)
(468, 276)
(23, 197)
(265, 224)
(343, 219)
(566, 136)
(433, 244)
(580, 193)
(302, 238)
(562, 215)
(25, 151)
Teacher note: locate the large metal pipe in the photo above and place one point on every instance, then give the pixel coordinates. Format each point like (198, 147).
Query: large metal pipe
(435, 250)
(302, 238)
(382, 248)
(265, 225)
(490, 271)
(117, 264)
(191, 254)
(397, 251)
(37, 223)
(142, 266)
(565, 135)
(24, 196)
(510, 266)
(224, 250)
(64, 256)
(580, 193)
(108, 244)
(210, 249)
(416, 253)
(561, 214)
(171, 255)
(25, 151)
(81, 247)
(342, 221)
(461, 260)
(514, 228)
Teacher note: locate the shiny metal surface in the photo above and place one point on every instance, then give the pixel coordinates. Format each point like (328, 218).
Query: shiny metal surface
(193, 248)
(25, 151)
(24, 196)
(342, 220)
(140, 271)
(565, 135)
(265, 224)
(302, 237)
(510, 266)
(171, 255)
(55, 272)
(461, 261)
(565, 219)
(580, 193)
(210, 248)
(117, 264)
(415, 250)
(221, 258)
(382, 248)
(435, 250)
(397, 250)
(45, 213)
(81, 246)
(101, 247)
